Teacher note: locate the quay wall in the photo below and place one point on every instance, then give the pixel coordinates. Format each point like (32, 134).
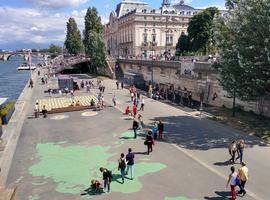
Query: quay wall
(201, 80)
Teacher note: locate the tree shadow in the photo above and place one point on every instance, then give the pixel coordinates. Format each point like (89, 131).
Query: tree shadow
(202, 134)
(221, 196)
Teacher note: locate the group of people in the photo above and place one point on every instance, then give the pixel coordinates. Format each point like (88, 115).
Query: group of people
(37, 111)
(125, 165)
(237, 178)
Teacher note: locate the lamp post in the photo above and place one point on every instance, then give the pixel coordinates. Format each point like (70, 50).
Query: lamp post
(152, 63)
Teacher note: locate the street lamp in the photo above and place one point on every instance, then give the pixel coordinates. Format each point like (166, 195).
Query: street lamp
(152, 62)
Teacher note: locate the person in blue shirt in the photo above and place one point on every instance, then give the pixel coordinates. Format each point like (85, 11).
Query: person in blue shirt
(130, 162)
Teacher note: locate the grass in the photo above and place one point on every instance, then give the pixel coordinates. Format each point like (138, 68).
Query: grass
(247, 122)
(6, 108)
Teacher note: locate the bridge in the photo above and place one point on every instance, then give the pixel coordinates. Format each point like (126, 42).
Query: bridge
(7, 55)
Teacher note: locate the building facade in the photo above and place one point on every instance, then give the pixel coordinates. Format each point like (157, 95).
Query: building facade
(137, 30)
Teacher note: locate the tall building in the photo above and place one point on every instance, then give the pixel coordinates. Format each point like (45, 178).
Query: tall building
(136, 29)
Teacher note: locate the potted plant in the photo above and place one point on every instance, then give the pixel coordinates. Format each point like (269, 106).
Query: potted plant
(6, 111)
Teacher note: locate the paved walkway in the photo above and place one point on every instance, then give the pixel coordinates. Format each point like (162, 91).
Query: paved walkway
(56, 157)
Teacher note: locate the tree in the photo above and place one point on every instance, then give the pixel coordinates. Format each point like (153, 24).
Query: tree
(200, 29)
(183, 45)
(93, 38)
(245, 51)
(73, 41)
(54, 49)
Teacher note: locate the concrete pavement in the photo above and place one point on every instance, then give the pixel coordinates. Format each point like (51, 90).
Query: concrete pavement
(56, 157)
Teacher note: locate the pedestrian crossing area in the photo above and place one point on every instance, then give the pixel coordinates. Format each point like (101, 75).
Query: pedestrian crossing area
(63, 102)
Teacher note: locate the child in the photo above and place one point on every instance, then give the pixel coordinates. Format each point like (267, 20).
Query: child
(95, 185)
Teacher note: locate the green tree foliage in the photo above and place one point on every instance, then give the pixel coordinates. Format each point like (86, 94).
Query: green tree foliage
(55, 49)
(73, 41)
(183, 45)
(200, 29)
(93, 38)
(245, 50)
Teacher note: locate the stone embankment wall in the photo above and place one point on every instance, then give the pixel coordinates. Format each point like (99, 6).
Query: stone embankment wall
(202, 81)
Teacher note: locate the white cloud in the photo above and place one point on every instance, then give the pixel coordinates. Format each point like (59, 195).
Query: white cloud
(55, 4)
(34, 26)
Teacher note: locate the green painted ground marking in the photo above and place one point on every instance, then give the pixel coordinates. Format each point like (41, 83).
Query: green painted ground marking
(178, 198)
(19, 179)
(43, 183)
(140, 169)
(145, 159)
(36, 197)
(72, 168)
(127, 135)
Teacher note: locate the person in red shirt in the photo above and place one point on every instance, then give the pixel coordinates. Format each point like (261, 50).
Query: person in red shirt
(135, 110)
(127, 111)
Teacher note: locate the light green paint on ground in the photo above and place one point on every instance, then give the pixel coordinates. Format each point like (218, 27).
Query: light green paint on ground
(145, 159)
(178, 198)
(36, 197)
(70, 167)
(19, 179)
(43, 183)
(127, 135)
(140, 169)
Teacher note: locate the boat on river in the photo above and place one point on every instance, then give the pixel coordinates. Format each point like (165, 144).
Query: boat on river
(26, 66)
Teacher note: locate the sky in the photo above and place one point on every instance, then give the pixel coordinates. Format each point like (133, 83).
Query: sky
(39, 23)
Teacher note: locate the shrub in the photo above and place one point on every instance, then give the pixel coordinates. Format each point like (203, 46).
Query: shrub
(6, 108)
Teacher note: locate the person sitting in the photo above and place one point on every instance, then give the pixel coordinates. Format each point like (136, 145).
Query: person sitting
(78, 103)
(72, 104)
(92, 102)
(127, 111)
(95, 185)
(44, 111)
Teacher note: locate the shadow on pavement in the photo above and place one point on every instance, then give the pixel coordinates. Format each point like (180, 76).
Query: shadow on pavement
(201, 134)
(221, 196)
(92, 192)
(225, 163)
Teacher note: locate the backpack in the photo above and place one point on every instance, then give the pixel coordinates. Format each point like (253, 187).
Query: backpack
(109, 173)
(122, 164)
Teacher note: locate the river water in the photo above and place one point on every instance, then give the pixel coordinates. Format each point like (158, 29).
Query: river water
(13, 81)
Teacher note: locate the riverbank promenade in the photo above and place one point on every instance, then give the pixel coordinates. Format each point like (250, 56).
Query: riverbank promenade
(57, 157)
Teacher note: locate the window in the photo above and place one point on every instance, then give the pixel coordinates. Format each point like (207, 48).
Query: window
(145, 17)
(154, 30)
(153, 38)
(145, 38)
(145, 24)
(171, 39)
(167, 39)
(154, 24)
(183, 19)
(154, 18)
(145, 30)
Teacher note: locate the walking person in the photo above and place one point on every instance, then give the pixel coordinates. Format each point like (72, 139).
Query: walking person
(243, 174)
(155, 130)
(232, 181)
(240, 149)
(149, 142)
(130, 163)
(114, 100)
(135, 110)
(122, 163)
(107, 178)
(232, 151)
(142, 104)
(160, 130)
(135, 127)
(122, 85)
(117, 85)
